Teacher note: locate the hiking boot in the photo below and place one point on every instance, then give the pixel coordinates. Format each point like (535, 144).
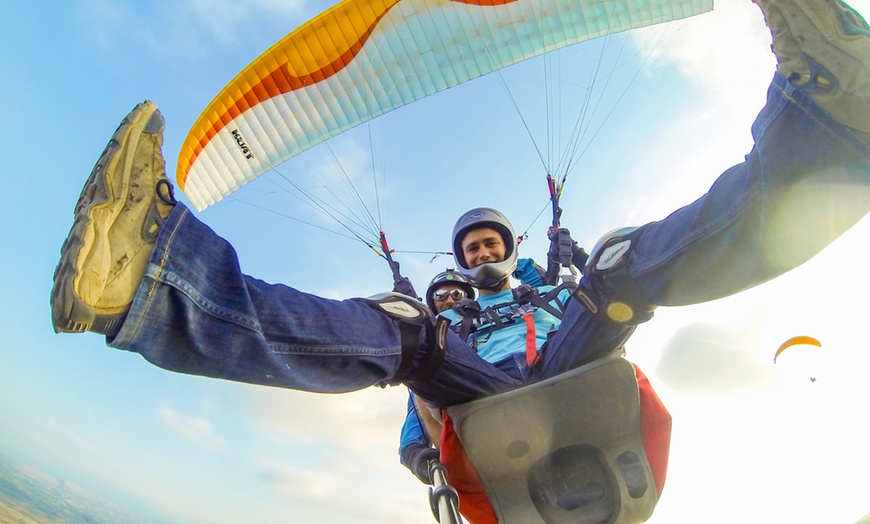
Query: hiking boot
(823, 48)
(124, 202)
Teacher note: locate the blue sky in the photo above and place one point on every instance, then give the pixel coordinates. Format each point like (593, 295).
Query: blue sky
(752, 441)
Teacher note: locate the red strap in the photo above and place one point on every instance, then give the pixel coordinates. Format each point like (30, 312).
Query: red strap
(531, 340)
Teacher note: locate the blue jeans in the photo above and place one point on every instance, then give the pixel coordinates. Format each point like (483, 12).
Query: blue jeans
(196, 312)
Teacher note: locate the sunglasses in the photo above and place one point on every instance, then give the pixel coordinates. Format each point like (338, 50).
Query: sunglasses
(442, 294)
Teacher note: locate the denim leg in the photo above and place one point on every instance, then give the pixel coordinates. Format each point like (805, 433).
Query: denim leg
(806, 181)
(803, 184)
(197, 313)
(580, 339)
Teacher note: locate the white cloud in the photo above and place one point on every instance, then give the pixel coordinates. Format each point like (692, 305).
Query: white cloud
(351, 421)
(722, 51)
(195, 429)
(190, 28)
(348, 487)
(323, 451)
(298, 482)
(707, 358)
(56, 435)
(727, 54)
(225, 19)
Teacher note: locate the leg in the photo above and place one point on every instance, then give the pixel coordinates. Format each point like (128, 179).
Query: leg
(142, 270)
(806, 181)
(196, 312)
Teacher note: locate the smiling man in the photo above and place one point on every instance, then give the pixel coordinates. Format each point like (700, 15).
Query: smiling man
(485, 245)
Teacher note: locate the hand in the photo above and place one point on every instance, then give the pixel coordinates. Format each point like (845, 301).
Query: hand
(419, 462)
(401, 284)
(579, 256)
(404, 287)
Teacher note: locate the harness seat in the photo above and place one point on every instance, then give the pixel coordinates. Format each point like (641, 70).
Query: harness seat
(576, 448)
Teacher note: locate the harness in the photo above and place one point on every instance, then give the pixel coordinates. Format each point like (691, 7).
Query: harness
(526, 300)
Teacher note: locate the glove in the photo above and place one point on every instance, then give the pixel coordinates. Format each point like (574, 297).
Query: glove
(404, 287)
(418, 461)
(402, 284)
(579, 256)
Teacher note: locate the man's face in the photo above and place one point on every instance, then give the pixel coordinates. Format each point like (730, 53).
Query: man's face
(481, 246)
(448, 301)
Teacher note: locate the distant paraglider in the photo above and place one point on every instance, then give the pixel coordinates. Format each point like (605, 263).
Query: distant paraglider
(794, 341)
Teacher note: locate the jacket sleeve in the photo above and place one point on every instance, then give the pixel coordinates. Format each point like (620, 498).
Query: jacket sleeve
(412, 433)
(528, 272)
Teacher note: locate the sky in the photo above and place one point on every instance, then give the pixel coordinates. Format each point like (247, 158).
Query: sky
(752, 441)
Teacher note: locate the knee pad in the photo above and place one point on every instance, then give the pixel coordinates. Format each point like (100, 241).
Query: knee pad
(420, 335)
(607, 290)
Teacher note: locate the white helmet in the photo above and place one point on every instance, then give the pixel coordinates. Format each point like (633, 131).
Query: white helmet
(491, 274)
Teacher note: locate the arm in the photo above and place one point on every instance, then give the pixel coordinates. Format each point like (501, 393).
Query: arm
(802, 185)
(415, 449)
(431, 426)
(528, 272)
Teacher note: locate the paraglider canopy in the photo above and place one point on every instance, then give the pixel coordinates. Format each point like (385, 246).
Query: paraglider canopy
(363, 58)
(794, 341)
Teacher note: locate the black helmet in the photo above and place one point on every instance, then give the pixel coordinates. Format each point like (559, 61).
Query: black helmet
(449, 276)
(491, 274)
